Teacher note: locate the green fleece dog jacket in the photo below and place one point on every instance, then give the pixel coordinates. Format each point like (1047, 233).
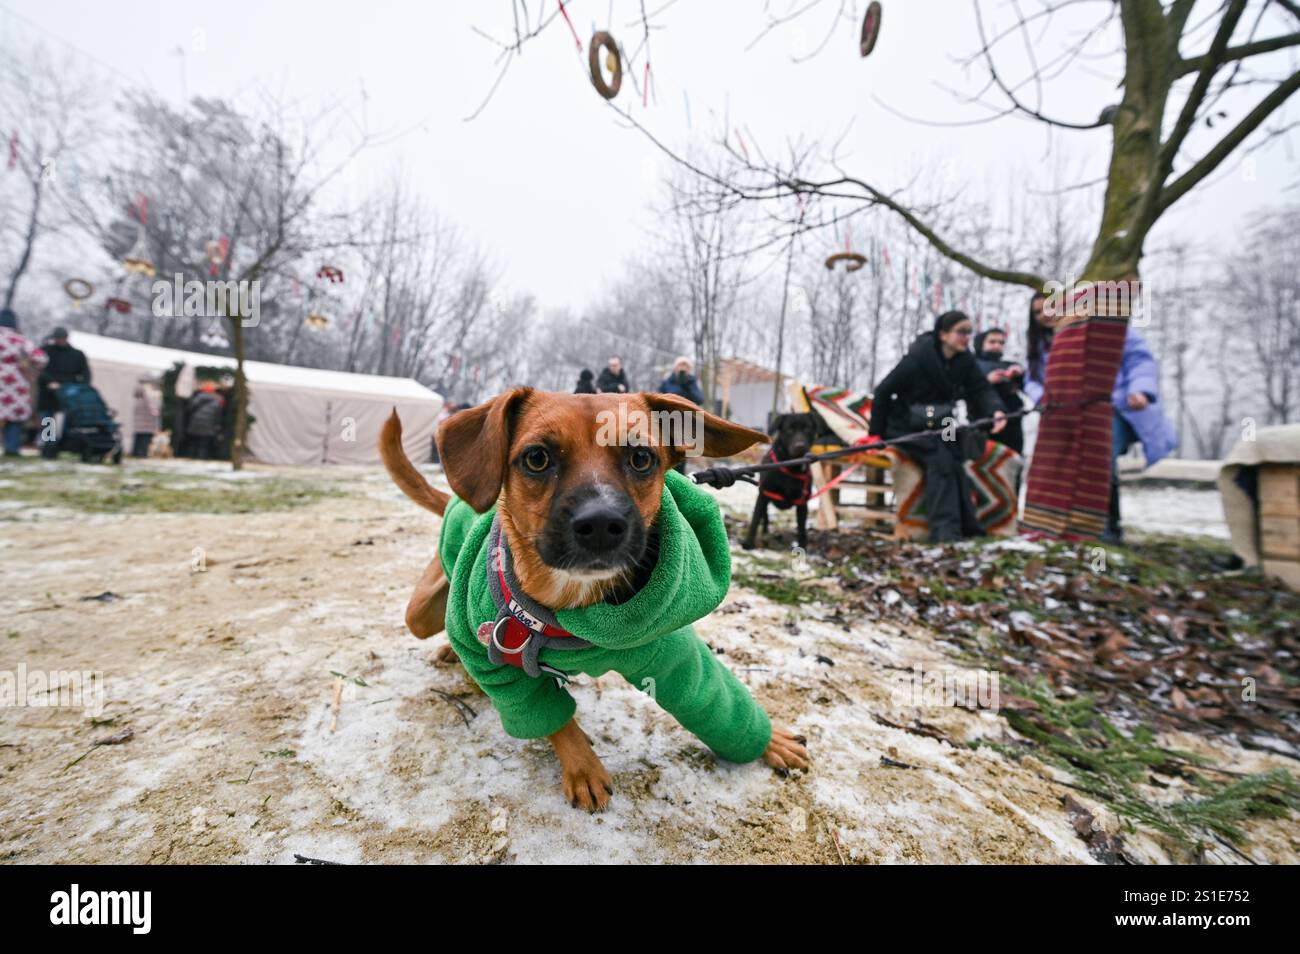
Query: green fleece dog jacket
(648, 640)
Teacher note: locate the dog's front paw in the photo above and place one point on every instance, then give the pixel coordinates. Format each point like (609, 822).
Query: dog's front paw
(746, 544)
(786, 751)
(444, 655)
(587, 785)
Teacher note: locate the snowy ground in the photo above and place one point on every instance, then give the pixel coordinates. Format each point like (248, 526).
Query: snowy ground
(226, 678)
(1187, 508)
(1177, 509)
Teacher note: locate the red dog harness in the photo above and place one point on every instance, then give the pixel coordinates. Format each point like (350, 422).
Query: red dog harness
(522, 628)
(803, 478)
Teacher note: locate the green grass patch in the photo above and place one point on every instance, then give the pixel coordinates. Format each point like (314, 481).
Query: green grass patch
(1115, 767)
(779, 588)
(92, 489)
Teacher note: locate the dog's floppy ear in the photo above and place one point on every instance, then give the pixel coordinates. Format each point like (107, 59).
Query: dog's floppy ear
(474, 445)
(774, 426)
(722, 438)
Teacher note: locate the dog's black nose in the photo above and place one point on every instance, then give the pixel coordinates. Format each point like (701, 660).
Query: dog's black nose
(599, 527)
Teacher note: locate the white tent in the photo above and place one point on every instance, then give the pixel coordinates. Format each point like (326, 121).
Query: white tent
(303, 415)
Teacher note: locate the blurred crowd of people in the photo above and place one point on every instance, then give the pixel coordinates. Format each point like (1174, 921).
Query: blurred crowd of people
(34, 377)
(29, 370)
(613, 379)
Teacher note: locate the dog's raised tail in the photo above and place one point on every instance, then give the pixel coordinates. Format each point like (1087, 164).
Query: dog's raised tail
(409, 480)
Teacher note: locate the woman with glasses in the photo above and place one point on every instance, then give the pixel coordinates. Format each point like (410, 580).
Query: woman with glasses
(919, 395)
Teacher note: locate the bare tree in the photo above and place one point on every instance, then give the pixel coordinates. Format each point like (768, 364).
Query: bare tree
(707, 230)
(1265, 278)
(48, 110)
(210, 173)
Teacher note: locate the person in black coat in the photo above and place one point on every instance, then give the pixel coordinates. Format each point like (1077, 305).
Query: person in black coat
(1006, 378)
(67, 365)
(584, 383)
(206, 414)
(613, 378)
(919, 394)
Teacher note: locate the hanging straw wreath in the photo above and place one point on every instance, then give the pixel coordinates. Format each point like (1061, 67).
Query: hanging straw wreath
(78, 290)
(613, 62)
(870, 27)
(854, 260)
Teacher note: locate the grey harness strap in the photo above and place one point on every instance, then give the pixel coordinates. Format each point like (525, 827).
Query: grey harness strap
(519, 606)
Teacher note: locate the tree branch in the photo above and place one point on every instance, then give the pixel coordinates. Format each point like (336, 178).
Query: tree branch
(1011, 96)
(1233, 53)
(1147, 210)
(1212, 159)
(1178, 14)
(1011, 276)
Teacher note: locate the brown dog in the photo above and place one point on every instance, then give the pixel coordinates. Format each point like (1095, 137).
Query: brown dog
(578, 514)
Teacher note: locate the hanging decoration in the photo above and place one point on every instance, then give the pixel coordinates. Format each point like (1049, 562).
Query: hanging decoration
(120, 305)
(316, 321)
(331, 272)
(743, 148)
(600, 40)
(870, 28)
(137, 260)
(216, 251)
(565, 13)
(13, 151)
(78, 290)
(214, 337)
(853, 260)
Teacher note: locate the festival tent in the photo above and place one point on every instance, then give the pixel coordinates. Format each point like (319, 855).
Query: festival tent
(748, 391)
(303, 415)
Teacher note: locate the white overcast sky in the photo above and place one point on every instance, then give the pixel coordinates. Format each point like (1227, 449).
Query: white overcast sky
(546, 178)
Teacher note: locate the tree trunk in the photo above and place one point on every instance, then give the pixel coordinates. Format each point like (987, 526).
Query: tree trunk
(780, 328)
(29, 240)
(241, 398)
(1070, 483)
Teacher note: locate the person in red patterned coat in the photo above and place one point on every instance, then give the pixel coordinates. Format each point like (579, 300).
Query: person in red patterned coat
(19, 360)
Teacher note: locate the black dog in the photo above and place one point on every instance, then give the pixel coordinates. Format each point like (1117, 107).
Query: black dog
(786, 487)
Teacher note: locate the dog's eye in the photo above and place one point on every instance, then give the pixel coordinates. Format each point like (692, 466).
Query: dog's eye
(536, 460)
(641, 460)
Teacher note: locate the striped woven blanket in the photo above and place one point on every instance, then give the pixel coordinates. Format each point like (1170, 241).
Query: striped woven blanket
(1069, 482)
(994, 476)
(845, 412)
(994, 482)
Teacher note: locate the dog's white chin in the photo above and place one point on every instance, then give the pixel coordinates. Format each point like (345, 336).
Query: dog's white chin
(586, 576)
(583, 586)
